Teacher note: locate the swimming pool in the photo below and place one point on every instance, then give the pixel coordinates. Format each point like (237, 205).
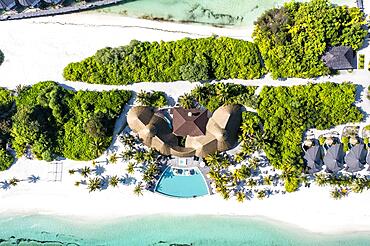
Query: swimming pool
(182, 182)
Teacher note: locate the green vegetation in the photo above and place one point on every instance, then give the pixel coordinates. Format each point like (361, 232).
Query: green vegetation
(283, 115)
(6, 111)
(212, 96)
(1, 57)
(153, 98)
(251, 134)
(293, 38)
(287, 112)
(52, 121)
(361, 61)
(186, 59)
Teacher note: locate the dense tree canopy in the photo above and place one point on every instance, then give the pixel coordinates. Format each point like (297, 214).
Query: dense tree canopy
(212, 96)
(6, 110)
(185, 59)
(152, 98)
(287, 112)
(293, 38)
(51, 121)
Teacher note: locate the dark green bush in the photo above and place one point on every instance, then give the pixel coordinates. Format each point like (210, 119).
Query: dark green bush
(185, 59)
(293, 38)
(54, 121)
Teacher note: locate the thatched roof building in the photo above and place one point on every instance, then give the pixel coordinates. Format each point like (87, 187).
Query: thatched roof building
(339, 57)
(355, 159)
(220, 131)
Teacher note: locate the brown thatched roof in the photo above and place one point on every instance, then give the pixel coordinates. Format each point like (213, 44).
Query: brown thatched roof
(220, 132)
(189, 122)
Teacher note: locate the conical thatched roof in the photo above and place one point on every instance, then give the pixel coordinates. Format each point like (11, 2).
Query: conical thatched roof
(312, 159)
(333, 158)
(138, 117)
(224, 125)
(161, 146)
(355, 158)
(207, 145)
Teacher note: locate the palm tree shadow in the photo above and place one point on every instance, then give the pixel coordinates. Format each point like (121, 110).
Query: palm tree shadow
(33, 179)
(104, 183)
(99, 170)
(5, 185)
(127, 180)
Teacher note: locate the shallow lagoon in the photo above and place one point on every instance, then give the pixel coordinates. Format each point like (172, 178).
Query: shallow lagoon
(164, 231)
(220, 12)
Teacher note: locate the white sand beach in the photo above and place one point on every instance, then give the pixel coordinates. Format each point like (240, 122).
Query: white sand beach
(38, 50)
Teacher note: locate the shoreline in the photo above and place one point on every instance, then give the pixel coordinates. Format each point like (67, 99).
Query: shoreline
(78, 36)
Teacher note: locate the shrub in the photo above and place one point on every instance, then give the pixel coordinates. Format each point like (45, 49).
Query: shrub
(6, 159)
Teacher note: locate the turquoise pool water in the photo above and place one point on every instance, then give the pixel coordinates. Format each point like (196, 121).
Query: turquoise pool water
(165, 231)
(221, 12)
(184, 184)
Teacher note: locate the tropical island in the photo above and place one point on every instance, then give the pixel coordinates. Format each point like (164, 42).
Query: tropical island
(216, 122)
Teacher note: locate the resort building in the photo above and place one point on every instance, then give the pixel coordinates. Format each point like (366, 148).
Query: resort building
(189, 132)
(339, 58)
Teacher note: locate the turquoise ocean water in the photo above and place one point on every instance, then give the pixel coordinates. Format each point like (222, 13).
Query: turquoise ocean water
(221, 12)
(165, 231)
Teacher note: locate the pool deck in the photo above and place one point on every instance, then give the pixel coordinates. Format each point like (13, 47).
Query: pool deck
(194, 164)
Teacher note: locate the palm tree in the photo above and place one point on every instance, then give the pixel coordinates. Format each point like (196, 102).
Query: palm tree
(251, 183)
(336, 194)
(77, 183)
(240, 196)
(127, 155)
(114, 180)
(143, 97)
(267, 180)
(71, 171)
(261, 194)
(94, 162)
(130, 168)
(94, 184)
(113, 158)
(85, 171)
(186, 101)
(138, 190)
(358, 185)
(253, 163)
(320, 179)
(14, 181)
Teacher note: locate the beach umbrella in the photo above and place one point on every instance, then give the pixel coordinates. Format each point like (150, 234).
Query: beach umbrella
(333, 158)
(355, 158)
(312, 158)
